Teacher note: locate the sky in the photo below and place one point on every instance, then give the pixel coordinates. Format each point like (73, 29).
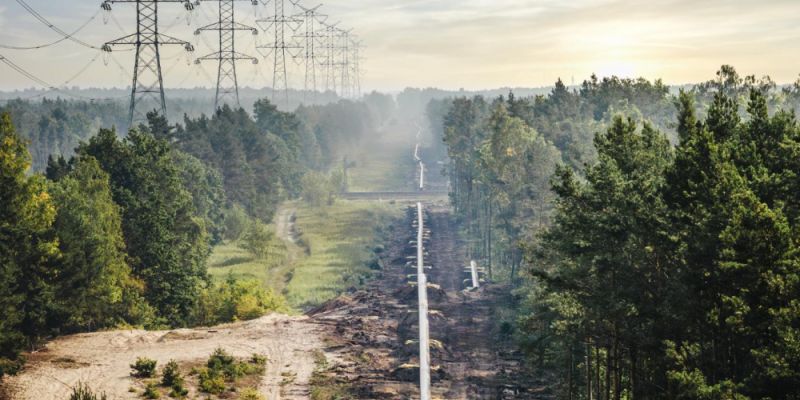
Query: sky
(469, 44)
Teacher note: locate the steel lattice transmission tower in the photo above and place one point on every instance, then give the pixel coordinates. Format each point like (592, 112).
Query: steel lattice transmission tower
(356, 66)
(344, 65)
(147, 90)
(227, 56)
(311, 37)
(331, 36)
(279, 23)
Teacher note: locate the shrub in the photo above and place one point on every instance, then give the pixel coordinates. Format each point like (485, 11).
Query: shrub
(178, 391)
(172, 375)
(251, 394)
(151, 391)
(83, 392)
(258, 359)
(233, 300)
(257, 239)
(248, 308)
(236, 220)
(210, 381)
(143, 368)
(317, 189)
(220, 360)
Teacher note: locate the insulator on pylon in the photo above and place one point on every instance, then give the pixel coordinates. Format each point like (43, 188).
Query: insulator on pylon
(107, 48)
(189, 47)
(106, 6)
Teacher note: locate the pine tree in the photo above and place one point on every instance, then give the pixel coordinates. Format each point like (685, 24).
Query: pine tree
(167, 242)
(95, 288)
(28, 249)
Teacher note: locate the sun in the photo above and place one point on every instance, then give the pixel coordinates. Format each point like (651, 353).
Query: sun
(619, 68)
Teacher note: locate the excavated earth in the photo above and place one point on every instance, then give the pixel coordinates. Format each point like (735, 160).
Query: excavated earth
(369, 337)
(375, 329)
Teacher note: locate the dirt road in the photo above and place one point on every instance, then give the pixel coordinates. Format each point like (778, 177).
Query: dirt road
(102, 359)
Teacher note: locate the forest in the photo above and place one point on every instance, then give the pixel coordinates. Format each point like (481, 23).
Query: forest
(104, 229)
(649, 233)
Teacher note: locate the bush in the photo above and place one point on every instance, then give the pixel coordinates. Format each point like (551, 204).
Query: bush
(10, 366)
(83, 392)
(221, 366)
(211, 381)
(258, 359)
(251, 394)
(235, 300)
(143, 368)
(173, 379)
(257, 239)
(151, 391)
(317, 189)
(178, 391)
(220, 360)
(236, 221)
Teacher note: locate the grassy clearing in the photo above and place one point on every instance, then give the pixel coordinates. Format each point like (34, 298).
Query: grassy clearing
(384, 165)
(341, 239)
(230, 258)
(336, 243)
(334, 252)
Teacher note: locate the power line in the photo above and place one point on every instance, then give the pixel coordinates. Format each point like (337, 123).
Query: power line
(44, 83)
(63, 38)
(227, 56)
(54, 28)
(147, 90)
(279, 22)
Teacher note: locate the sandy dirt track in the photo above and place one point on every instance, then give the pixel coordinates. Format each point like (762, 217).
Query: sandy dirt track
(102, 359)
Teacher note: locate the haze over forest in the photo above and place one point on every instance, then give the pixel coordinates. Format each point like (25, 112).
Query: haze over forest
(389, 199)
(472, 44)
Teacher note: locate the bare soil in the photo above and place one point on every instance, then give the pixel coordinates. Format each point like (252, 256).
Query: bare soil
(374, 330)
(102, 359)
(368, 336)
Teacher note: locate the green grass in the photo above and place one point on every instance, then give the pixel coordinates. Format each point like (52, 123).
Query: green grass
(341, 239)
(384, 165)
(229, 258)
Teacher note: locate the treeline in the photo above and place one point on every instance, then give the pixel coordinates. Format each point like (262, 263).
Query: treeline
(56, 126)
(504, 151)
(119, 233)
(663, 263)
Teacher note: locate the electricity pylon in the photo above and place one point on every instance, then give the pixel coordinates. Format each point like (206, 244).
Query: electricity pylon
(278, 22)
(147, 91)
(356, 65)
(227, 56)
(344, 62)
(311, 19)
(331, 48)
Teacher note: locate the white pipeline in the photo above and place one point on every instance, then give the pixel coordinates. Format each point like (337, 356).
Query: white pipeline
(421, 176)
(474, 267)
(424, 333)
